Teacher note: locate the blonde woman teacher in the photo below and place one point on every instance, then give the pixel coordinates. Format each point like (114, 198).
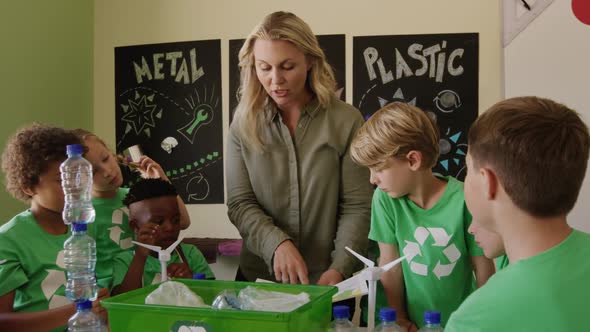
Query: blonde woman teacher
(294, 194)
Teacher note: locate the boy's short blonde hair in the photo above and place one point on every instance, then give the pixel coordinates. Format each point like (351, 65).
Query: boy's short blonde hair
(393, 131)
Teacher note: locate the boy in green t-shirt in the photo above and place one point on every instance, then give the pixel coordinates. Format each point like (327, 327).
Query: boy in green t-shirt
(526, 164)
(32, 274)
(419, 215)
(155, 218)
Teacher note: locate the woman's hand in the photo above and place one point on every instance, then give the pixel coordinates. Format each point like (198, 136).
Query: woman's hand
(330, 278)
(288, 265)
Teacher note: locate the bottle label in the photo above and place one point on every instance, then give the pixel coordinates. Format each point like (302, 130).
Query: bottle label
(191, 326)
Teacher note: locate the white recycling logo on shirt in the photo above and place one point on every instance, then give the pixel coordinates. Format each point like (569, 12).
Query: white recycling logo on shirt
(116, 231)
(441, 239)
(53, 281)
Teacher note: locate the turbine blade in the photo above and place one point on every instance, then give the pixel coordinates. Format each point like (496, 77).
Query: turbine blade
(357, 278)
(154, 248)
(391, 264)
(173, 245)
(365, 260)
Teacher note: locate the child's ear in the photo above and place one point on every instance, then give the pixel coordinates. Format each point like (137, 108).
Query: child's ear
(415, 159)
(490, 181)
(28, 191)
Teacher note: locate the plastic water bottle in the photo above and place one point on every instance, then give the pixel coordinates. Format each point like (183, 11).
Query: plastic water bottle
(387, 316)
(199, 276)
(76, 181)
(84, 320)
(80, 260)
(431, 322)
(341, 322)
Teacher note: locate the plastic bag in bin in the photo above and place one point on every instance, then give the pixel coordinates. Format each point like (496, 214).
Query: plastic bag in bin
(252, 298)
(175, 293)
(227, 299)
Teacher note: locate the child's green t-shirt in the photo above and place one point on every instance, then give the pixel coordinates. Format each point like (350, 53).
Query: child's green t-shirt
(32, 264)
(546, 292)
(438, 273)
(152, 270)
(112, 234)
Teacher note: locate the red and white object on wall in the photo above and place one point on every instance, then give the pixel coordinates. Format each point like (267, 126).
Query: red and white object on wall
(581, 9)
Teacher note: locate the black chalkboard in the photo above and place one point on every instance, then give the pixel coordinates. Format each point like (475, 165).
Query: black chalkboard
(168, 100)
(332, 45)
(437, 72)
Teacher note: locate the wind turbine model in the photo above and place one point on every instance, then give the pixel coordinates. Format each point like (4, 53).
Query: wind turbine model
(163, 255)
(371, 274)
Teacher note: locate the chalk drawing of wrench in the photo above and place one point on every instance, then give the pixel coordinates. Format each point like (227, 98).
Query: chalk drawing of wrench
(201, 117)
(203, 114)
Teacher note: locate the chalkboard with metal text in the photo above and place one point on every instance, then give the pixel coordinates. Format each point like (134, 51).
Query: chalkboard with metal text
(168, 101)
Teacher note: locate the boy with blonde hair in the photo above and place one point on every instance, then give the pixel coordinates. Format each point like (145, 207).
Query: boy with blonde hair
(526, 163)
(418, 215)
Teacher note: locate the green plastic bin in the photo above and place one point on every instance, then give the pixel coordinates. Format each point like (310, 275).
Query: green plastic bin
(127, 312)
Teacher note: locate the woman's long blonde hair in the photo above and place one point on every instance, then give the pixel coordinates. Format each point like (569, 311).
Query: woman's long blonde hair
(250, 113)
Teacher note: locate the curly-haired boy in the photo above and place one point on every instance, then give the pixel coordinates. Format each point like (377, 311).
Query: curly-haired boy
(32, 275)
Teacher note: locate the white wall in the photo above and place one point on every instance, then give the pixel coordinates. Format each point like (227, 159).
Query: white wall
(551, 58)
(132, 22)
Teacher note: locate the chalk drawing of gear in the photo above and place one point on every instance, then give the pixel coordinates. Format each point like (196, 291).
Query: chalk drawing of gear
(447, 101)
(441, 240)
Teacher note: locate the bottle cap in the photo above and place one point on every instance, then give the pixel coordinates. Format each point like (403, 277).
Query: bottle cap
(432, 317)
(199, 276)
(79, 227)
(83, 305)
(340, 311)
(73, 149)
(387, 314)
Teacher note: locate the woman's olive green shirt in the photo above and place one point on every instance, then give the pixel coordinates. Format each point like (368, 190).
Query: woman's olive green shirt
(303, 188)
